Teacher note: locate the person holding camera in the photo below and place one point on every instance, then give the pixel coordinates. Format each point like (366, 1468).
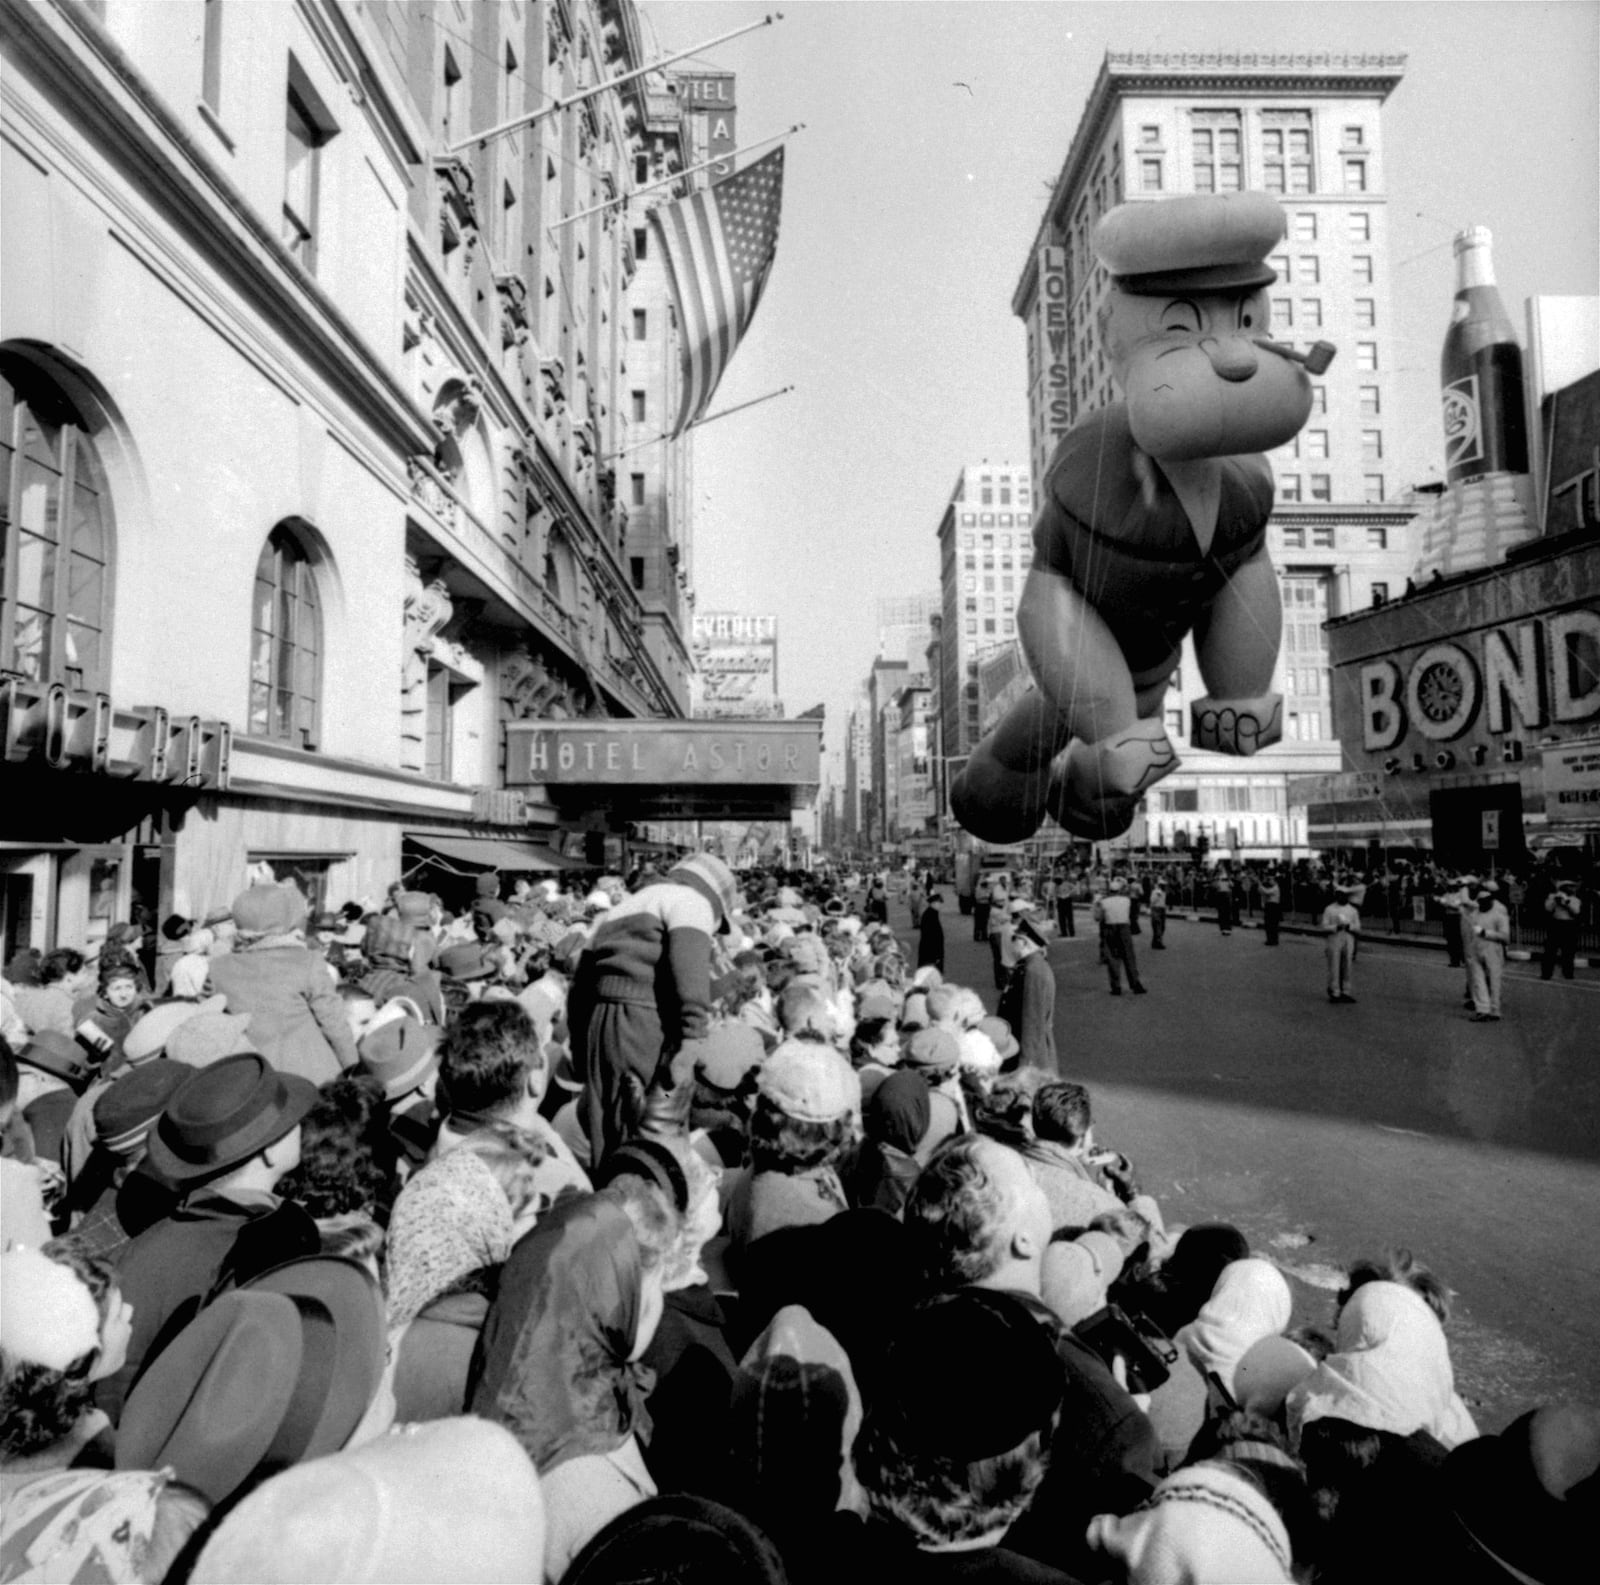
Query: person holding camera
(1341, 924)
(1564, 908)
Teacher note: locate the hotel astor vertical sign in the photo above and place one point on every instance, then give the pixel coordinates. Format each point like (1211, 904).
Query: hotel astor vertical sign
(663, 753)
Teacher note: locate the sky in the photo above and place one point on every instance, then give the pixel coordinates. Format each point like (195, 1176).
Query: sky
(910, 205)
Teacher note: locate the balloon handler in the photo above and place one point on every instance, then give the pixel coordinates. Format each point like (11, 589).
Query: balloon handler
(1152, 523)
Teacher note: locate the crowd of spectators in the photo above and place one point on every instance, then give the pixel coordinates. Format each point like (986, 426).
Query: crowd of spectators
(682, 1228)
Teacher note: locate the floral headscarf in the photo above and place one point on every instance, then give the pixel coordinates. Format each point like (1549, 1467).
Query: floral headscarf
(556, 1343)
(1391, 1371)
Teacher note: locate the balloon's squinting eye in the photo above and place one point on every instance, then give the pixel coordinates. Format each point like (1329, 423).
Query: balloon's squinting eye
(1180, 315)
(1247, 318)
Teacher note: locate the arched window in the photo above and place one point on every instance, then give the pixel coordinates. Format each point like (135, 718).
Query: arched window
(285, 643)
(55, 536)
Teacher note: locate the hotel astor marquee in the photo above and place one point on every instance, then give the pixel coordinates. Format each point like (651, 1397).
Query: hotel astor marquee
(665, 770)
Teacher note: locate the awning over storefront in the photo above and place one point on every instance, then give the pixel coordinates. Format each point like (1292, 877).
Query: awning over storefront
(495, 853)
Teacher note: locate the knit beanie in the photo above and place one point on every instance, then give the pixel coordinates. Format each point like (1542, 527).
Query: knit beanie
(709, 876)
(1208, 1524)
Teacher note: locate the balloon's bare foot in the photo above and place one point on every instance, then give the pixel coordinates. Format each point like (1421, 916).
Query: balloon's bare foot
(1098, 787)
(998, 804)
(1236, 726)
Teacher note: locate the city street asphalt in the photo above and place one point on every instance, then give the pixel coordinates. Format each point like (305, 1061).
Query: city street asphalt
(1331, 1132)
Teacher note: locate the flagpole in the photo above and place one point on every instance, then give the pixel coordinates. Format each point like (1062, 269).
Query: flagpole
(677, 176)
(710, 418)
(481, 139)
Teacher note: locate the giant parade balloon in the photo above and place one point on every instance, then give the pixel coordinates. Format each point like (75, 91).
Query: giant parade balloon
(1152, 524)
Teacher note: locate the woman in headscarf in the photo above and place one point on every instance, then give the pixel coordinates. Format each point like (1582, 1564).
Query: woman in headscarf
(1251, 1301)
(579, 1302)
(1390, 1371)
(896, 1121)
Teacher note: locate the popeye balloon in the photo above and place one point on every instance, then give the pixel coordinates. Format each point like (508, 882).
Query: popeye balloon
(1152, 524)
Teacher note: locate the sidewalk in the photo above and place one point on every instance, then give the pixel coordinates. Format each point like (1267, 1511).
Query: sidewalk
(1399, 938)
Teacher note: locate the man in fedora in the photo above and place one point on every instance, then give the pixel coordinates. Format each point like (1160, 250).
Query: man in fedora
(222, 1143)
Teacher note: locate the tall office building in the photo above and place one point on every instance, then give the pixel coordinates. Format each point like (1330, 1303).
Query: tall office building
(984, 553)
(1308, 129)
(903, 627)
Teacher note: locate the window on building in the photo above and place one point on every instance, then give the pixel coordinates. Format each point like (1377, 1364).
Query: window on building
(1355, 175)
(211, 56)
(1288, 488)
(1380, 593)
(641, 169)
(641, 239)
(1294, 534)
(1366, 313)
(1367, 356)
(1319, 399)
(1359, 226)
(1372, 490)
(1008, 627)
(439, 723)
(641, 324)
(638, 408)
(1174, 722)
(1361, 268)
(1279, 262)
(1369, 401)
(1371, 445)
(1305, 226)
(56, 534)
(1354, 138)
(1321, 533)
(986, 496)
(1150, 136)
(1283, 312)
(636, 489)
(988, 624)
(1005, 495)
(1214, 147)
(1316, 443)
(1311, 313)
(1321, 490)
(970, 605)
(1150, 175)
(451, 97)
(636, 571)
(286, 643)
(972, 627)
(305, 134)
(1309, 270)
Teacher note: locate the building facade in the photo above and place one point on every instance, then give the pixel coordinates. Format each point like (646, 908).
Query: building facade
(985, 550)
(330, 438)
(1307, 128)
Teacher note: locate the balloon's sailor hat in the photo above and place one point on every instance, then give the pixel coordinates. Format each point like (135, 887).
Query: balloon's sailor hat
(1206, 242)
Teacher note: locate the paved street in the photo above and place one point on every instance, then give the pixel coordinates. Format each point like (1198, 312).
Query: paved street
(1329, 1132)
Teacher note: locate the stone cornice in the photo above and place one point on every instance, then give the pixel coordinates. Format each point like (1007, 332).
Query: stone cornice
(1319, 72)
(77, 61)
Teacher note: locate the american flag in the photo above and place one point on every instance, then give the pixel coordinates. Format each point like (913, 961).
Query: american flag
(719, 245)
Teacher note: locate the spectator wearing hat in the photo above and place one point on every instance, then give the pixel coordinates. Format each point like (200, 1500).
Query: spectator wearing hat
(103, 1021)
(948, 1469)
(223, 1141)
(1113, 912)
(1487, 940)
(63, 1327)
(930, 934)
(642, 988)
(123, 1112)
(1340, 924)
(1028, 999)
(53, 1071)
(284, 1368)
(808, 1104)
(296, 1018)
(395, 953)
(895, 1128)
(979, 1220)
(455, 1498)
(402, 1056)
(23, 1179)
